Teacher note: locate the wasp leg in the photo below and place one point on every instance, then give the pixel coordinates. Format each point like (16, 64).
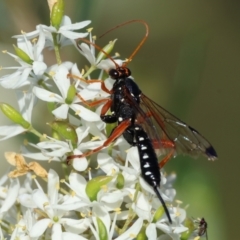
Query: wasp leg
(118, 131)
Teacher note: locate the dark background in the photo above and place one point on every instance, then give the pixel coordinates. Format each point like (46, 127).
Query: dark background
(189, 65)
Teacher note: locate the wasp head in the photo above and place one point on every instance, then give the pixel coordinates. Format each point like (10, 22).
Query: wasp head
(120, 72)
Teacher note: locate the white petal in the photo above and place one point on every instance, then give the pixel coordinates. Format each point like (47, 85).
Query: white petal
(171, 193)
(47, 95)
(180, 213)
(76, 226)
(96, 128)
(11, 195)
(106, 163)
(71, 206)
(38, 48)
(108, 64)
(82, 132)
(86, 52)
(53, 144)
(164, 227)
(26, 201)
(67, 236)
(39, 228)
(84, 113)
(39, 68)
(132, 232)
(178, 230)
(61, 112)
(133, 158)
(103, 214)
(111, 200)
(151, 232)
(78, 184)
(89, 94)
(40, 157)
(53, 185)
(26, 46)
(143, 207)
(90, 145)
(41, 200)
(75, 26)
(29, 35)
(16, 79)
(10, 131)
(61, 80)
(3, 179)
(80, 164)
(56, 231)
(72, 35)
(66, 20)
(26, 104)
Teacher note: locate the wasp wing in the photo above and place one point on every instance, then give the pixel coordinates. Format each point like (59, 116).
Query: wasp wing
(160, 124)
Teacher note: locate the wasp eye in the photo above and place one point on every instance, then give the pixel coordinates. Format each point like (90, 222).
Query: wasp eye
(114, 73)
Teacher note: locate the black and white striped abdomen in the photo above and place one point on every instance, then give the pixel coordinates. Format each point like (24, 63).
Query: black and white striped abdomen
(148, 158)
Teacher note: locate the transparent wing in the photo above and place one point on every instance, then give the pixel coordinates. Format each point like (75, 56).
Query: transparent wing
(167, 129)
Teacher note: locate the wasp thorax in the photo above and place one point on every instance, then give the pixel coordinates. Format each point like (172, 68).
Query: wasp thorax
(121, 72)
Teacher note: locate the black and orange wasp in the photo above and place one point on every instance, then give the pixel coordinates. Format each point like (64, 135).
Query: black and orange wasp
(144, 123)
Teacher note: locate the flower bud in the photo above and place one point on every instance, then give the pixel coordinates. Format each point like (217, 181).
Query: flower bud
(65, 130)
(102, 231)
(14, 115)
(120, 181)
(190, 225)
(142, 234)
(51, 106)
(57, 14)
(95, 184)
(21, 54)
(108, 48)
(70, 94)
(158, 214)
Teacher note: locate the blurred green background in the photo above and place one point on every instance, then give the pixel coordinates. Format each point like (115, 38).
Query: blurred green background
(189, 65)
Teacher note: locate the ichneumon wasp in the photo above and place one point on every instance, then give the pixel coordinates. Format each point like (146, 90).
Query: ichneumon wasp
(145, 124)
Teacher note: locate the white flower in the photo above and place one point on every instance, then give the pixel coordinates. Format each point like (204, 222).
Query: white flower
(89, 54)
(27, 73)
(53, 211)
(63, 84)
(55, 150)
(66, 32)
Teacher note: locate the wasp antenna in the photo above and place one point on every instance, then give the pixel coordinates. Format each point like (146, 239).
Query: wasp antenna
(97, 47)
(140, 44)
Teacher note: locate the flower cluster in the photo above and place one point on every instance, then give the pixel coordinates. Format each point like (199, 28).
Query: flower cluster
(101, 197)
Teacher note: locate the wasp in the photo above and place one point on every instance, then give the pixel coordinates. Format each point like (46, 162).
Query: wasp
(145, 124)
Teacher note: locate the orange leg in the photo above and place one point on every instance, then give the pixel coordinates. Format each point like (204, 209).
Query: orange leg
(103, 86)
(166, 159)
(163, 144)
(94, 103)
(117, 132)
